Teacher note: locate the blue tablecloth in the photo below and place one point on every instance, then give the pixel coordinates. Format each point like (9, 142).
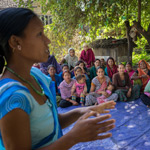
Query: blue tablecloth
(132, 131)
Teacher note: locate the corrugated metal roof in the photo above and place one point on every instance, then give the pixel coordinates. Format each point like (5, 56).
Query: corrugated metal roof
(108, 43)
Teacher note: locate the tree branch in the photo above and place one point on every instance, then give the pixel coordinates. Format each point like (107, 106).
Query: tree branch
(142, 31)
(148, 30)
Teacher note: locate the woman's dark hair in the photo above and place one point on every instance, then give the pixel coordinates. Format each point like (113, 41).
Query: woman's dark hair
(50, 67)
(128, 63)
(111, 59)
(79, 62)
(64, 65)
(66, 71)
(99, 67)
(76, 68)
(13, 21)
(98, 60)
(121, 64)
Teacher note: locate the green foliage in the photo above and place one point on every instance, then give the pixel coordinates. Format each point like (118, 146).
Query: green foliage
(60, 43)
(136, 57)
(141, 42)
(90, 19)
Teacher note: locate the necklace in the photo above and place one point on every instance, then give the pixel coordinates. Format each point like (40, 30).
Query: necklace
(30, 84)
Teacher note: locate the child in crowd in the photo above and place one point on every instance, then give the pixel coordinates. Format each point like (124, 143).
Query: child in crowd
(65, 90)
(64, 68)
(103, 98)
(79, 89)
(78, 71)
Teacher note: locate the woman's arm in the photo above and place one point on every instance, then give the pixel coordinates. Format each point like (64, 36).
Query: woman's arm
(62, 61)
(135, 76)
(88, 129)
(128, 81)
(70, 117)
(92, 87)
(15, 129)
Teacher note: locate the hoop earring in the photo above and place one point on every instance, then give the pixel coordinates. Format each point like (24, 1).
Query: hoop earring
(19, 47)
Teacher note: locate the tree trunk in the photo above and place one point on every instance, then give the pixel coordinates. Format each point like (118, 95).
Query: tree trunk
(130, 43)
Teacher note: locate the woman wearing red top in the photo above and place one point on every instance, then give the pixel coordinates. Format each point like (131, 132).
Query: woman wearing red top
(87, 56)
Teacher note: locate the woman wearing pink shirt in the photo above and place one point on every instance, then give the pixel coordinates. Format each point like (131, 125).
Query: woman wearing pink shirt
(65, 90)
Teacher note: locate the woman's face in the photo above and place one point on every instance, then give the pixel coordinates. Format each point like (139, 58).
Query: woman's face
(78, 72)
(128, 67)
(86, 48)
(81, 65)
(102, 61)
(52, 71)
(121, 69)
(100, 73)
(97, 63)
(34, 43)
(142, 65)
(67, 76)
(110, 62)
(72, 53)
(65, 68)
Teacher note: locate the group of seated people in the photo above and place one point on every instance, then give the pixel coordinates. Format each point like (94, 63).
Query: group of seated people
(93, 82)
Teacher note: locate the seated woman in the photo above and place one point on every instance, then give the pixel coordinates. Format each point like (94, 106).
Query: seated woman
(93, 74)
(129, 70)
(82, 65)
(123, 86)
(56, 78)
(142, 73)
(103, 63)
(70, 59)
(51, 61)
(87, 56)
(111, 68)
(145, 97)
(78, 71)
(96, 84)
(65, 90)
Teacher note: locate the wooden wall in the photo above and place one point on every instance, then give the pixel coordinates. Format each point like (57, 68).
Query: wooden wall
(119, 53)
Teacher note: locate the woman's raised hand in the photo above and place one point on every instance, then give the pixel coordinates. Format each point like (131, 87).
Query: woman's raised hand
(102, 108)
(89, 129)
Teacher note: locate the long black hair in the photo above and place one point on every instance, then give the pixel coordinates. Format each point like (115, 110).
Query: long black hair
(13, 21)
